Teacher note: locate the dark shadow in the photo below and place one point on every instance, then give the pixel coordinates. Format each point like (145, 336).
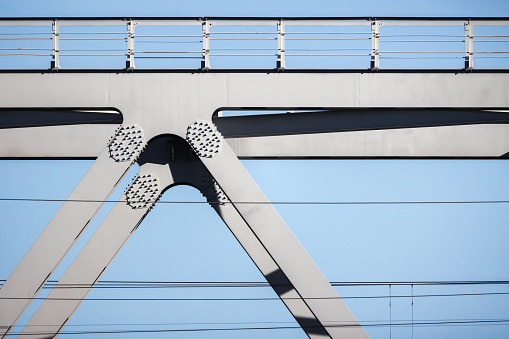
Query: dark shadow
(186, 168)
(17, 118)
(351, 120)
(165, 149)
(311, 326)
(281, 285)
(279, 282)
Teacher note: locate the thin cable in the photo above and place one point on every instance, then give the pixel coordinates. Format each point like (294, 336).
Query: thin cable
(412, 311)
(26, 54)
(168, 41)
(269, 202)
(331, 33)
(390, 296)
(421, 35)
(167, 36)
(268, 298)
(89, 33)
(93, 39)
(328, 39)
(232, 323)
(426, 323)
(144, 283)
(448, 41)
(426, 283)
(390, 312)
(162, 324)
(328, 54)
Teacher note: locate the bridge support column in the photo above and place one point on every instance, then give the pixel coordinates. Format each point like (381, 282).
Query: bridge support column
(271, 245)
(96, 256)
(67, 225)
(308, 294)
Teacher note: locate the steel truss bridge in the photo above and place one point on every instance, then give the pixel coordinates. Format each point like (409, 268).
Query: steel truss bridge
(168, 117)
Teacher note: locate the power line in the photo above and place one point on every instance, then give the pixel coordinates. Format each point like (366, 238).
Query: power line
(117, 284)
(421, 283)
(267, 202)
(332, 322)
(259, 284)
(381, 324)
(390, 296)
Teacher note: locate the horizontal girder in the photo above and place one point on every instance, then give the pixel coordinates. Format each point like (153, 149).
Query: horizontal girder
(370, 114)
(346, 115)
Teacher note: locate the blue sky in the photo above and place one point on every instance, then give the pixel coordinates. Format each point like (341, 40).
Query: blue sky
(256, 8)
(188, 242)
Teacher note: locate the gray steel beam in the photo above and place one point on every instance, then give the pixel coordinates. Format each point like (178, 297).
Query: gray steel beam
(182, 104)
(275, 236)
(67, 225)
(98, 253)
(160, 168)
(268, 260)
(252, 90)
(492, 141)
(46, 142)
(160, 101)
(165, 163)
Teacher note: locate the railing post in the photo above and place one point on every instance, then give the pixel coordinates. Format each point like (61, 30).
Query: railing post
(130, 45)
(205, 61)
(281, 45)
(469, 45)
(375, 44)
(55, 61)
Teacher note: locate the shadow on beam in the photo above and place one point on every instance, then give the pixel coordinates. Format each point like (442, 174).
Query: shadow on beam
(351, 120)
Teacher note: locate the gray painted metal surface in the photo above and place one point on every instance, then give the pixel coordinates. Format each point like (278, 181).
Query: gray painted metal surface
(183, 105)
(61, 233)
(156, 102)
(268, 245)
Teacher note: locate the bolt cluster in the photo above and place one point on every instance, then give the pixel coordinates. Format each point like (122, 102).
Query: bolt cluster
(143, 191)
(204, 139)
(126, 144)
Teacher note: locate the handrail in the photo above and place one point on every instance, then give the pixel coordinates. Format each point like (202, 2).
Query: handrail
(279, 43)
(255, 18)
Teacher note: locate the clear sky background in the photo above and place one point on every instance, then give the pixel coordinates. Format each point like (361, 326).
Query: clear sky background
(189, 243)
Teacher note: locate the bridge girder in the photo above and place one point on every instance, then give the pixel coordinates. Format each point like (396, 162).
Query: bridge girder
(184, 105)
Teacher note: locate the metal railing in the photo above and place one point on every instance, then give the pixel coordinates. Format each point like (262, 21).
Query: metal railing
(265, 43)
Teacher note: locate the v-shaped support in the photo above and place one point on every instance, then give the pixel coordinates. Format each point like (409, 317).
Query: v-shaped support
(67, 225)
(259, 229)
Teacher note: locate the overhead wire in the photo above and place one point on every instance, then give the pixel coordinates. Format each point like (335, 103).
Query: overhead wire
(208, 284)
(151, 285)
(263, 298)
(332, 322)
(267, 202)
(379, 324)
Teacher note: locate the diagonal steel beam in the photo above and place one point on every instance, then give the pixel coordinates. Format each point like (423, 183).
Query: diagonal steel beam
(305, 278)
(67, 225)
(167, 162)
(98, 253)
(157, 172)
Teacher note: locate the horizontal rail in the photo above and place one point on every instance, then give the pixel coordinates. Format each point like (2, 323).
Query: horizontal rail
(293, 42)
(246, 18)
